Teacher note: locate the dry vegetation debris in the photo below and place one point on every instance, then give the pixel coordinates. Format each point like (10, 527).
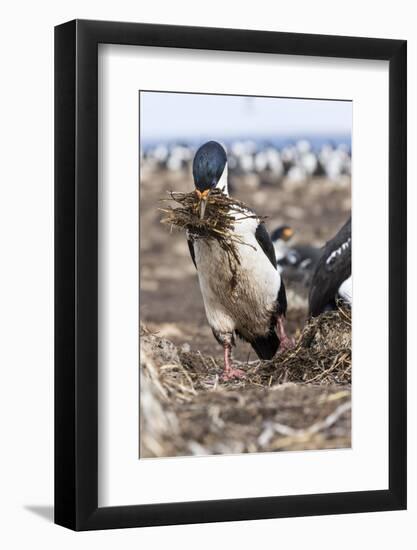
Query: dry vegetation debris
(298, 400)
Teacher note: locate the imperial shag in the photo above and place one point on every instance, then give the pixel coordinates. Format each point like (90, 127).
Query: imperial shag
(302, 257)
(332, 278)
(254, 311)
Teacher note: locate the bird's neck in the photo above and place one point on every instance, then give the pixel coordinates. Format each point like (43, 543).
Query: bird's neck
(223, 182)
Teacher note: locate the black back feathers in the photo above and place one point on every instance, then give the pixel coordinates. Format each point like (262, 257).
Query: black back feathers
(332, 269)
(266, 346)
(264, 240)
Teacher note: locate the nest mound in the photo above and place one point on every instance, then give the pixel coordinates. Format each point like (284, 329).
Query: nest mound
(322, 355)
(298, 400)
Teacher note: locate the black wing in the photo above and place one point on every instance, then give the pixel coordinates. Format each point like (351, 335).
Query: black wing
(191, 249)
(282, 300)
(264, 240)
(267, 346)
(333, 267)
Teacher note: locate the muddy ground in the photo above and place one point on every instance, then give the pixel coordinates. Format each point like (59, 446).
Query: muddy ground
(274, 412)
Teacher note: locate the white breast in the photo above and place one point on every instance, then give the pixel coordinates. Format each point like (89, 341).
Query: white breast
(345, 290)
(244, 304)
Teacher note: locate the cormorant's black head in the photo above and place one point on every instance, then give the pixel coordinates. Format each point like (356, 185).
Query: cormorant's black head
(208, 167)
(283, 233)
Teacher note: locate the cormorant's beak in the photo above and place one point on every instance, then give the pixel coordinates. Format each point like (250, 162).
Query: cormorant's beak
(203, 196)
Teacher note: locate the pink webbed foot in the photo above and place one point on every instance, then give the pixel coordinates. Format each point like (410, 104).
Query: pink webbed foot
(229, 372)
(286, 343)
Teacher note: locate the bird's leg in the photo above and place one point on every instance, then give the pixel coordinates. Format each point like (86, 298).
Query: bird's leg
(229, 372)
(286, 343)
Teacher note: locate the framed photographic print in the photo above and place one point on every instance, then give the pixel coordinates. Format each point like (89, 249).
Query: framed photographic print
(230, 247)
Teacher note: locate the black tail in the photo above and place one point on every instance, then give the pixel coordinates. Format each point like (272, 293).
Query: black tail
(266, 346)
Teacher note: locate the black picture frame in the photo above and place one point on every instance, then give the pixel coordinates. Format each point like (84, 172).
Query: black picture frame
(76, 272)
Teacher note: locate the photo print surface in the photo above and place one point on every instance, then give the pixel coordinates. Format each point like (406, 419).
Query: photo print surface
(245, 274)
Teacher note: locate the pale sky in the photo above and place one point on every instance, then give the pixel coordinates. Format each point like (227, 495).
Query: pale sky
(166, 116)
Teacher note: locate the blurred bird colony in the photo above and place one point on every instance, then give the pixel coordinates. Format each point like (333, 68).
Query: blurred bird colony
(273, 138)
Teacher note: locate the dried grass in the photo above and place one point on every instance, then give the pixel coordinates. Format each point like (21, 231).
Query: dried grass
(221, 214)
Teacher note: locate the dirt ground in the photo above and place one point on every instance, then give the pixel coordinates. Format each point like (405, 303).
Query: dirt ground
(278, 413)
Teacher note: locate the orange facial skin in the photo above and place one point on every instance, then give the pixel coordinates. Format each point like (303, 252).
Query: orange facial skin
(287, 233)
(202, 195)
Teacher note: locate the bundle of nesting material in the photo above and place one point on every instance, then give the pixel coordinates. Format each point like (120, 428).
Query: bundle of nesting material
(220, 216)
